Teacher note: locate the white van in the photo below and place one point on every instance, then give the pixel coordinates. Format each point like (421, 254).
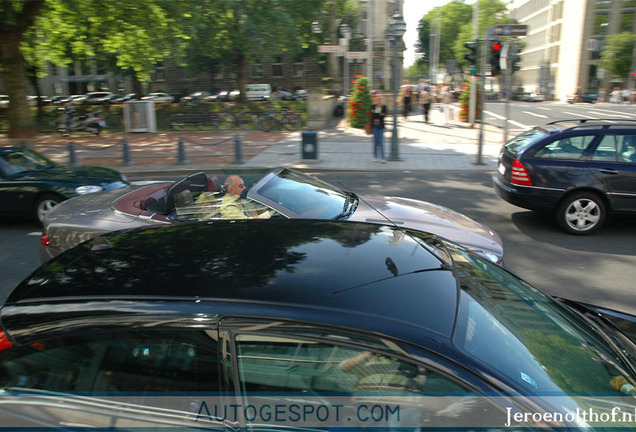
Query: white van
(258, 91)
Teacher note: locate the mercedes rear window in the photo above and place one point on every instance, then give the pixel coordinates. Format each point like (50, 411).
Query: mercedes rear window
(522, 141)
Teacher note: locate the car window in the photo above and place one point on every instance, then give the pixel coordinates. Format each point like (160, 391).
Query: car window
(525, 335)
(126, 361)
(16, 162)
(565, 148)
(522, 141)
(349, 377)
(616, 148)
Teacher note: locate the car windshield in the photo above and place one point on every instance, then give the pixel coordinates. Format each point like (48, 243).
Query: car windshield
(522, 141)
(308, 197)
(23, 161)
(537, 343)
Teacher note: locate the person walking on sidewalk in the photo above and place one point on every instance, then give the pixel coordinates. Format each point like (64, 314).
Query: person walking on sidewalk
(426, 99)
(404, 98)
(447, 101)
(378, 113)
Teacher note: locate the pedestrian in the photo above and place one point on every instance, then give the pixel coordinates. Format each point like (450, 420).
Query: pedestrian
(447, 101)
(404, 98)
(378, 113)
(426, 99)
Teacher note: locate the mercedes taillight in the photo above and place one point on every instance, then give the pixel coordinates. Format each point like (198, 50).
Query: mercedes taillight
(519, 175)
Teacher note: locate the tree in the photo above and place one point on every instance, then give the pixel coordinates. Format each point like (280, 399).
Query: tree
(491, 12)
(616, 56)
(16, 18)
(449, 19)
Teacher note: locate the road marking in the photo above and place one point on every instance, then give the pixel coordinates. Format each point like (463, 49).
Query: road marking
(497, 116)
(534, 114)
(35, 233)
(578, 115)
(519, 125)
(612, 112)
(617, 113)
(545, 108)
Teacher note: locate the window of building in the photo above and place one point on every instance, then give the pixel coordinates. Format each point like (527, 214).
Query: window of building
(299, 70)
(160, 72)
(277, 67)
(256, 70)
(627, 22)
(601, 21)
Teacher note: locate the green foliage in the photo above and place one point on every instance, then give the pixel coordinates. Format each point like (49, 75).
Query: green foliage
(617, 54)
(359, 110)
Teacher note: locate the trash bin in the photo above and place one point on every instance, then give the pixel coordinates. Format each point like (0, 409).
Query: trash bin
(310, 145)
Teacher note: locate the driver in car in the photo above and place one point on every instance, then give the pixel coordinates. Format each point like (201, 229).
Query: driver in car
(234, 205)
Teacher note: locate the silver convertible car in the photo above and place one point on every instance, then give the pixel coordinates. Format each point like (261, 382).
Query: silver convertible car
(283, 192)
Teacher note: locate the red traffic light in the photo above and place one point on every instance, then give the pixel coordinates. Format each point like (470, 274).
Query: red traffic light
(496, 46)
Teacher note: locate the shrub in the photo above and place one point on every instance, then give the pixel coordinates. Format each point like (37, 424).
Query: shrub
(359, 109)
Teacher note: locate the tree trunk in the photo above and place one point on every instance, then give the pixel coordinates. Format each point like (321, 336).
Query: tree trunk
(13, 25)
(242, 76)
(21, 123)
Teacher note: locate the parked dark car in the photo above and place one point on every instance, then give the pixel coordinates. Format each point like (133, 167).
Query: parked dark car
(198, 96)
(31, 184)
(174, 326)
(579, 171)
(283, 192)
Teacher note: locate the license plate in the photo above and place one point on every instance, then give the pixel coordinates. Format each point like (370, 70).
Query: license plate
(501, 169)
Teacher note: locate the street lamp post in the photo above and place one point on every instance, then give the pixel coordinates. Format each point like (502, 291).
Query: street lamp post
(397, 28)
(345, 30)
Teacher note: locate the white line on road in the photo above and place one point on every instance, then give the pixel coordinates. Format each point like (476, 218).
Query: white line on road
(578, 115)
(497, 116)
(35, 233)
(534, 114)
(512, 122)
(612, 113)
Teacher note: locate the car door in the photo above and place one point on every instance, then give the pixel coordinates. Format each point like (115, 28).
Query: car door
(15, 195)
(613, 163)
(306, 377)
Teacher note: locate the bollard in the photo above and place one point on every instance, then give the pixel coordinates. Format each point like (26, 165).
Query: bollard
(181, 153)
(127, 160)
(238, 151)
(71, 154)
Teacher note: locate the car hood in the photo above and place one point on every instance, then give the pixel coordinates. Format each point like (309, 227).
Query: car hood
(86, 175)
(433, 218)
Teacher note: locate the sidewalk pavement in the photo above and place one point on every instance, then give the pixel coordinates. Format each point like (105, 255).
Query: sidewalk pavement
(421, 146)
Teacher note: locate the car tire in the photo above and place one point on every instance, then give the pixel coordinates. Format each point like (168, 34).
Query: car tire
(581, 213)
(44, 204)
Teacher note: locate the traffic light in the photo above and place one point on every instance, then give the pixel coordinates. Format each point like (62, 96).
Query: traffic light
(471, 57)
(495, 56)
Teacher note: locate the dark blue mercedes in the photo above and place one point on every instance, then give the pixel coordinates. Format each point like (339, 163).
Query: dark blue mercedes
(578, 171)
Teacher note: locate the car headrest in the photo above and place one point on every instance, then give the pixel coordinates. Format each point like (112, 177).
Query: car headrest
(144, 203)
(213, 184)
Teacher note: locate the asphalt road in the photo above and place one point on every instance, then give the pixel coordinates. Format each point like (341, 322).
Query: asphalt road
(598, 269)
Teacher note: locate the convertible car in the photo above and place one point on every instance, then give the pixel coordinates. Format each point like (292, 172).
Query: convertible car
(283, 192)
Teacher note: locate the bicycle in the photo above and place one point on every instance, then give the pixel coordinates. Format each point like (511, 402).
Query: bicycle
(285, 118)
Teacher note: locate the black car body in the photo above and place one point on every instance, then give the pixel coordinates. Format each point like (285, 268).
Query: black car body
(578, 171)
(289, 320)
(31, 184)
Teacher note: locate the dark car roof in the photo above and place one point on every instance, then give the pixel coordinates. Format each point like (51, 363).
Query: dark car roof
(588, 124)
(364, 269)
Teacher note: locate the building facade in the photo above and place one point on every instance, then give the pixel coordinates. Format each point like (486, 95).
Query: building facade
(561, 51)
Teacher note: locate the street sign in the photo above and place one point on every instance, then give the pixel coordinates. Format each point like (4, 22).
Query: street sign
(336, 49)
(353, 55)
(511, 30)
